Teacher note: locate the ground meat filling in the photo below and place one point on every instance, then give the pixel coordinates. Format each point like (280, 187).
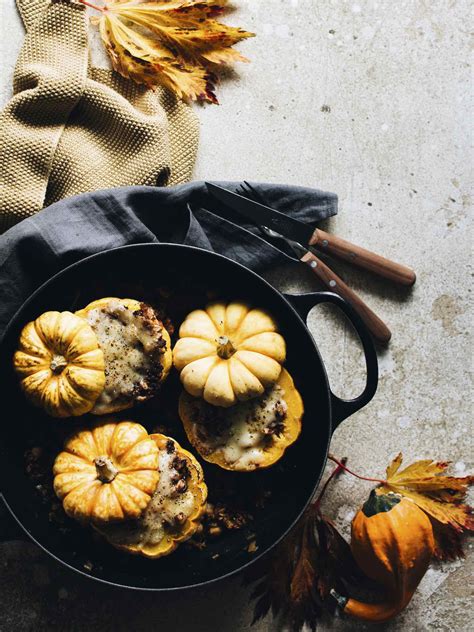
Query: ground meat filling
(133, 346)
(171, 505)
(243, 432)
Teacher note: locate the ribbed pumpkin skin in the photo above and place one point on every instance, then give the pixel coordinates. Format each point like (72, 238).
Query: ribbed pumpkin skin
(132, 457)
(228, 353)
(60, 364)
(172, 540)
(393, 547)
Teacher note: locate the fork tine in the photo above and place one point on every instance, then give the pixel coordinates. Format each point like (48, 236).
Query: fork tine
(253, 193)
(241, 190)
(250, 192)
(245, 189)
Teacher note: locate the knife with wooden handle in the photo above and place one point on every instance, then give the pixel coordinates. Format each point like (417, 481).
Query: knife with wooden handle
(307, 236)
(342, 249)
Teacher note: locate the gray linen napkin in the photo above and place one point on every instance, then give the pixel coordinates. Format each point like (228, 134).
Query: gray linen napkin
(38, 247)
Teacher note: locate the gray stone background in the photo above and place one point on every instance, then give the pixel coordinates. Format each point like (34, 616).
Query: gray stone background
(370, 99)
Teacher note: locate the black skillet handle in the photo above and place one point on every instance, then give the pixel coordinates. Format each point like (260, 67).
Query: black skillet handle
(343, 408)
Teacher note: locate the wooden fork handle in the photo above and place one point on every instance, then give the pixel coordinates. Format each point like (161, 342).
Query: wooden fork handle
(361, 257)
(376, 326)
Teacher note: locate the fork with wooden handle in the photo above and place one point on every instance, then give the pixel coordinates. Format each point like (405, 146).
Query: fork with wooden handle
(333, 282)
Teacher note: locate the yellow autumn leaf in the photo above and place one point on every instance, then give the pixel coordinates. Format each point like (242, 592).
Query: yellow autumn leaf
(224, 56)
(438, 495)
(175, 43)
(394, 466)
(133, 57)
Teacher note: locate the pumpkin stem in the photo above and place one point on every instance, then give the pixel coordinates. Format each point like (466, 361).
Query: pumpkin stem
(106, 470)
(225, 348)
(58, 364)
(346, 469)
(379, 503)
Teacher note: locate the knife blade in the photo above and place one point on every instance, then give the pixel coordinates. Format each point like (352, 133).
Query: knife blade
(313, 237)
(260, 214)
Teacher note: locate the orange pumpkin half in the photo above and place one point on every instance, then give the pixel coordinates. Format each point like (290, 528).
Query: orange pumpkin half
(250, 435)
(136, 348)
(175, 510)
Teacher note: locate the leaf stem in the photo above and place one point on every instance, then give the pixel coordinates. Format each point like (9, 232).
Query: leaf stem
(339, 468)
(346, 469)
(92, 6)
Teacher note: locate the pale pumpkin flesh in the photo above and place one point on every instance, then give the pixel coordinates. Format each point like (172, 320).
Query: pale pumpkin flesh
(108, 473)
(266, 451)
(155, 533)
(228, 353)
(60, 364)
(137, 351)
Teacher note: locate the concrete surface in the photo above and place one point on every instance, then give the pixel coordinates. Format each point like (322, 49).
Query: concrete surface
(368, 98)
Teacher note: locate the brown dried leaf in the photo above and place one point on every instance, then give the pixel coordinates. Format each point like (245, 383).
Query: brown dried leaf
(337, 565)
(297, 581)
(274, 576)
(448, 542)
(304, 576)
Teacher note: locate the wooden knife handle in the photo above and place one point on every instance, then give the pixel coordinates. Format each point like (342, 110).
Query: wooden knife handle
(361, 257)
(377, 327)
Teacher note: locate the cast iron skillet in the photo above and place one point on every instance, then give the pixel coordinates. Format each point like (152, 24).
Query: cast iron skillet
(292, 481)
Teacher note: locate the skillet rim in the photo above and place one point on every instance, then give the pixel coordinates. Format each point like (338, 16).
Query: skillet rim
(281, 296)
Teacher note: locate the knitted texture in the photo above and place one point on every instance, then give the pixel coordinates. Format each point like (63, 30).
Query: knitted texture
(70, 128)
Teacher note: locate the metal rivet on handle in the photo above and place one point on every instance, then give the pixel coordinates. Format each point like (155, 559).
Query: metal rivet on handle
(313, 264)
(332, 283)
(325, 242)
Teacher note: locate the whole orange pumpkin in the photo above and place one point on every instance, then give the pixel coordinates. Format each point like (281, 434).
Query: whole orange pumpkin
(392, 542)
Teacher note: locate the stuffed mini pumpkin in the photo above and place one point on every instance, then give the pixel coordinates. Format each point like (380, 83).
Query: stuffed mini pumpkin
(250, 435)
(137, 351)
(228, 353)
(60, 364)
(175, 510)
(107, 473)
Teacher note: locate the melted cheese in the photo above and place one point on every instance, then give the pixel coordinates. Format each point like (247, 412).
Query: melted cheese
(165, 504)
(240, 433)
(157, 520)
(128, 347)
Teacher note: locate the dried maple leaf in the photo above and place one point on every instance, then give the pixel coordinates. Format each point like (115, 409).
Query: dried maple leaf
(440, 496)
(174, 43)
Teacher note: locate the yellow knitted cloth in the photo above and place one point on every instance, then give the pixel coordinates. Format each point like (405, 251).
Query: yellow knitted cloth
(71, 128)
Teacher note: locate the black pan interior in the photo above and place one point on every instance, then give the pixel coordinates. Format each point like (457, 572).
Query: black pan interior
(189, 275)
